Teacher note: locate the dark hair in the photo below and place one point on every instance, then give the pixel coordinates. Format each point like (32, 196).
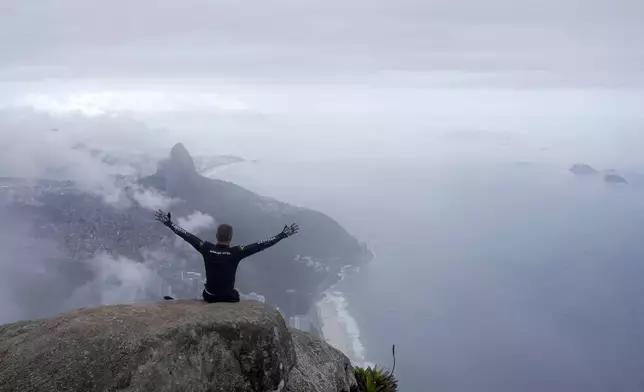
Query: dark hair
(224, 233)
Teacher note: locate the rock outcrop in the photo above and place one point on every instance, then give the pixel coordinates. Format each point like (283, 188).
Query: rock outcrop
(319, 367)
(168, 346)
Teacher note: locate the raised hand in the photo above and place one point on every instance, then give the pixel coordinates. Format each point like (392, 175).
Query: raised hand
(164, 218)
(290, 230)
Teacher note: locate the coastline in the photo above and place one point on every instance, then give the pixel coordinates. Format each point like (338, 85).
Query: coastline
(333, 321)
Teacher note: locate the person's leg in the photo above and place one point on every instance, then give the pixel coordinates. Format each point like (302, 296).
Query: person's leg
(207, 297)
(231, 297)
(234, 296)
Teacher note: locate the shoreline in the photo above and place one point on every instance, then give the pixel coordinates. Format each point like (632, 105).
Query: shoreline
(333, 321)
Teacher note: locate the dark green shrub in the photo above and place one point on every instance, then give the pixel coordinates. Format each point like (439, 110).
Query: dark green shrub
(376, 379)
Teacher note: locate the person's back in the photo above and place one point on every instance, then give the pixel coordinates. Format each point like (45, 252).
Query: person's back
(220, 259)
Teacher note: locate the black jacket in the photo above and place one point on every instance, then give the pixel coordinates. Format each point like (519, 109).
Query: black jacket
(221, 261)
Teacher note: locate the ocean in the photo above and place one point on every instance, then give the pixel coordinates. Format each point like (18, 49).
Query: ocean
(494, 276)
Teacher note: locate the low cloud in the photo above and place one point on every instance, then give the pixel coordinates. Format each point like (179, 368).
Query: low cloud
(152, 199)
(197, 221)
(194, 223)
(95, 153)
(31, 280)
(72, 147)
(117, 279)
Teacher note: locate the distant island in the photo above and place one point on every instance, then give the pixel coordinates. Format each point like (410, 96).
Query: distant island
(585, 170)
(614, 179)
(582, 169)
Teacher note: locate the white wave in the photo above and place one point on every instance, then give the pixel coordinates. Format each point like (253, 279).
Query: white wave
(338, 327)
(311, 263)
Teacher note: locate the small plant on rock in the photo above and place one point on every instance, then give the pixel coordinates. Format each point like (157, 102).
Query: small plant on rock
(376, 379)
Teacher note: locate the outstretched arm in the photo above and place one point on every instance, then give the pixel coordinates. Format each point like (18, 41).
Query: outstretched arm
(251, 249)
(192, 239)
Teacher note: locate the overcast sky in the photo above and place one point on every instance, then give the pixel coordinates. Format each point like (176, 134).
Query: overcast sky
(515, 42)
(278, 70)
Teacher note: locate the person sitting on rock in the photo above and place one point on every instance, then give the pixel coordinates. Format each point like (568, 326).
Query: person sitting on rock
(220, 259)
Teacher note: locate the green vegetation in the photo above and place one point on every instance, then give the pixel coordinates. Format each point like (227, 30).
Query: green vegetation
(377, 379)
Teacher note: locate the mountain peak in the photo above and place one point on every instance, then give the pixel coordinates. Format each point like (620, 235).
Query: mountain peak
(174, 171)
(181, 159)
(179, 167)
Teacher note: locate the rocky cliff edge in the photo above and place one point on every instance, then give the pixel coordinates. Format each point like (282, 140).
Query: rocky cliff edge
(181, 345)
